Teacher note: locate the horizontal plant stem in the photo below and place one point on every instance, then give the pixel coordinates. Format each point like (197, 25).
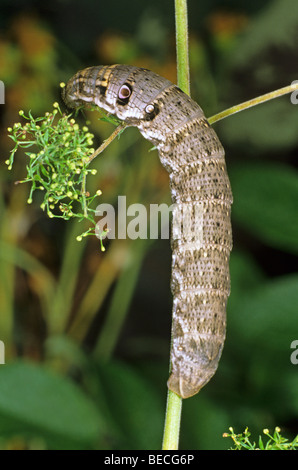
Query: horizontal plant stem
(253, 102)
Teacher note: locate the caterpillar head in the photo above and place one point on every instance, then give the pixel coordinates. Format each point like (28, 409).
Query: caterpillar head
(137, 96)
(127, 92)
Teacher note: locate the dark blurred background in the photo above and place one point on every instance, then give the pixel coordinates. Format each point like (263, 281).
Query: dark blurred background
(70, 314)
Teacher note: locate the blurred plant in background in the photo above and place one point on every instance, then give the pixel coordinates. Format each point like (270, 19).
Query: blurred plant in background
(274, 442)
(97, 326)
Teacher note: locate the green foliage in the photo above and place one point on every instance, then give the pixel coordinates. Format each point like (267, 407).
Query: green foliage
(275, 441)
(123, 387)
(60, 165)
(265, 202)
(48, 410)
(84, 298)
(36, 403)
(262, 62)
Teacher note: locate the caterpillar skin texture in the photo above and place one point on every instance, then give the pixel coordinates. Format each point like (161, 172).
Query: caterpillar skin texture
(192, 154)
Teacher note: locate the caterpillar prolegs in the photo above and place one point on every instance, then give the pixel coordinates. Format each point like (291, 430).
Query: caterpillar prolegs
(192, 154)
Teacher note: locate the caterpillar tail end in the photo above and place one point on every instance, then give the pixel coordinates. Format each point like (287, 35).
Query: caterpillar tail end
(182, 387)
(186, 386)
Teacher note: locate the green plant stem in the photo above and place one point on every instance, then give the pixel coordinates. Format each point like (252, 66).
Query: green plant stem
(172, 422)
(174, 402)
(253, 102)
(100, 149)
(84, 196)
(182, 45)
(107, 142)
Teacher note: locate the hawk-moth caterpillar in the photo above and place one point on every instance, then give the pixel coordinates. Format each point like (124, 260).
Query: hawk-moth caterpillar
(191, 152)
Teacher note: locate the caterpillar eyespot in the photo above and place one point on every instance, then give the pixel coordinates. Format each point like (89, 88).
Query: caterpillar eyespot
(151, 111)
(192, 154)
(124, 92)
(149, 108)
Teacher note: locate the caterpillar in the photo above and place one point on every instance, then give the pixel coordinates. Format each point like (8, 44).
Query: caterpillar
(192, 154)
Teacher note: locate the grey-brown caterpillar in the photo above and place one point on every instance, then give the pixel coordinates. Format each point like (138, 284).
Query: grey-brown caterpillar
(192, 154)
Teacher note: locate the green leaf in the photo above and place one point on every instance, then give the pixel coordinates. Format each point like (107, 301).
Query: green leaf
(261, 445)
(203, 422)
(35, 402)
(275, 26)
(134, 407)
(289, 390)
(265, 203)
(246, 275)
(266, 319)
(262, 61)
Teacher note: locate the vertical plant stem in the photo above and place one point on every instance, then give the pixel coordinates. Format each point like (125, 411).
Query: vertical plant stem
(174, 402)
(182, 45)
(172, 422)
